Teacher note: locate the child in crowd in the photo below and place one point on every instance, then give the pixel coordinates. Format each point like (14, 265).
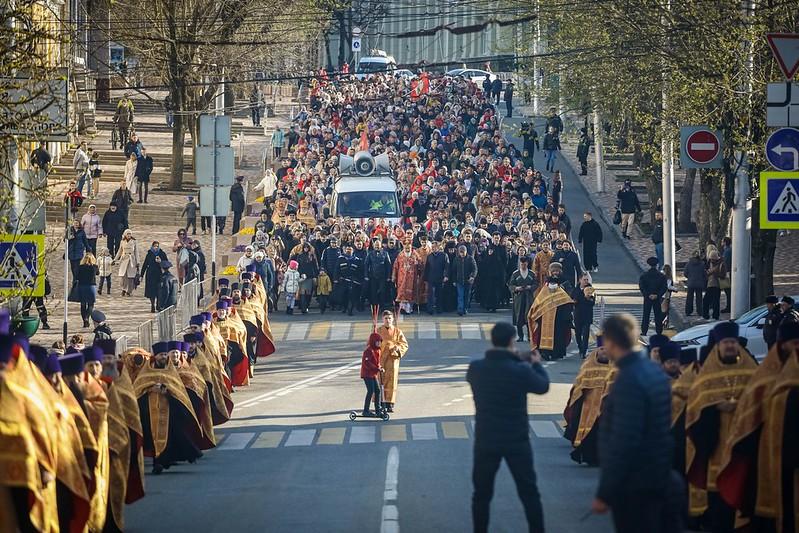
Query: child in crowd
(291, 284)
(370, 370)
(191, 215)
(104, 262)
(323, 289)
(94, 173)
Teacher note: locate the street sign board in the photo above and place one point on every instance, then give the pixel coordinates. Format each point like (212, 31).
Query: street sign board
(34, 109)
(204, 167)
(779, 200)
(700, 147)
(356, 44)
(782, 149)
(785, 47)
(782, 105)
(207, 206)
(22, 265)
(214, 128)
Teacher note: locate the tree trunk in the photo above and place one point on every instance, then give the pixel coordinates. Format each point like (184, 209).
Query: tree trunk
(684, 224)
(764, 246)
(178, 137)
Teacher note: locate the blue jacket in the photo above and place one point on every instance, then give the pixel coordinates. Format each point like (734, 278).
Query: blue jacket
(635, 443)
(500, 384)
(77, 245)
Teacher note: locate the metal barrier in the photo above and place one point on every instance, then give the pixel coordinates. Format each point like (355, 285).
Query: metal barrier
(146, 335)
(166, 323)
(122, 344)
(187, 302)
(207, 294)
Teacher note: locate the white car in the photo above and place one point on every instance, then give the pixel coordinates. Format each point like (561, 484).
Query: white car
(404, 73)
(751, 327)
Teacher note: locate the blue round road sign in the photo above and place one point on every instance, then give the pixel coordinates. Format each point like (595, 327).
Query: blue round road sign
(782, 149)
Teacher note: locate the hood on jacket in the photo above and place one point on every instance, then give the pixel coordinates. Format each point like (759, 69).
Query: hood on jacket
(374, 341)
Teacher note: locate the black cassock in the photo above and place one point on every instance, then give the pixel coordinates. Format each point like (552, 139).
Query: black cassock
(590, 236)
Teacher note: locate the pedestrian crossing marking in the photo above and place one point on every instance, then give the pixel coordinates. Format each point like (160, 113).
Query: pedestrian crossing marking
(448, 330)
(393, 433)
(409, 329)
(545, 429)
(301, 437)
(268, 439)
(331, 436)
(424, 431)
(278, 329)
(454, 430)
(362, 330)
(340, 331)
(297, 331)
(362, 434)
(470, 331)
(319, 331)
(486, 326)
(426, 330)
(236, 441)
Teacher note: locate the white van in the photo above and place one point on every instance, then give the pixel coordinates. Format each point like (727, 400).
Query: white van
(365, 189)
(375, 63)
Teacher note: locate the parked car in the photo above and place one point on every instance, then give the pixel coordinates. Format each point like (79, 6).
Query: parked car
(404, 73)
(751, 326)
(473, 74)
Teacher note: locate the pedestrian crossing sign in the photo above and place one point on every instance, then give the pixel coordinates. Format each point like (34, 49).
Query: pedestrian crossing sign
(21, 265)
(779, 200)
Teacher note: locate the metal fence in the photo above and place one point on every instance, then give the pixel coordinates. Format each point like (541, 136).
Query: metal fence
(146, 335)
(188, 300)
(122, 344)
(166, 323)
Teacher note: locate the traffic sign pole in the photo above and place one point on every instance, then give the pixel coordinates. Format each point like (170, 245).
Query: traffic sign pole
(740, 282)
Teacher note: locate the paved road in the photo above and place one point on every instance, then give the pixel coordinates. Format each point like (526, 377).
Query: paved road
(291, 461)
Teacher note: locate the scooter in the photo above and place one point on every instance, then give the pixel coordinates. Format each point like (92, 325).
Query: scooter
(381, 413)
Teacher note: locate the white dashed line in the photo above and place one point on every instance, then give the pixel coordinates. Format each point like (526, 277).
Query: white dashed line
(389, 517)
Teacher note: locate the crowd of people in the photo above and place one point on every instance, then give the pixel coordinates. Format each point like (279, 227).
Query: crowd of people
(76, 422)
(733, 431)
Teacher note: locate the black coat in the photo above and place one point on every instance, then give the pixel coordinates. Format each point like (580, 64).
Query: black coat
(114, 223)
(167, 291)
(583, 306)
(151, 272)
(377, 266)
(436, 268)
(144, 168)
(237, 201)
(635, 443)
(628, 201)
(500, 384)
(571, 266)
(652, 282)
(462, 269)
(590, 235)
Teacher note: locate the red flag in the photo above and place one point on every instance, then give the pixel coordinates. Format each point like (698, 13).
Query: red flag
(364, 146)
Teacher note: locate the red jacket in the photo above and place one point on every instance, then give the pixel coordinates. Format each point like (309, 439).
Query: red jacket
(370, 362)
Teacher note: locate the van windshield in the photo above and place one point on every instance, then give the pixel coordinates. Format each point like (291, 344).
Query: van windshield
(367, 204)
(368, 67)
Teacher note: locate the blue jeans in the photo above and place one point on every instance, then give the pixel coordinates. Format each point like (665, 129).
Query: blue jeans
(551, 156)
(433, 297)
(464, 291)
(659, 255)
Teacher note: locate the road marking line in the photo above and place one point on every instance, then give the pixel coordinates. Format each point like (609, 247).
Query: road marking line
(331, 436)
(310, 380)
(268, 439)
(361, 330)
(393, 433)
(457, 400)
(362, 434)
(426, 330)
(409, 330)
(424, 431)
(486, 327)
(448, 330)
(340, 331)
(278, 330)
(319, 331)
(454, 430)
(545, 429)
(236, 441)
(300, 437)
(298, 331)
(389, 517)
(471, 331)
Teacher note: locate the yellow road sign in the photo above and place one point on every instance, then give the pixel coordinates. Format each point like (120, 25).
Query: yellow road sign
(21, 265)
(779, 200)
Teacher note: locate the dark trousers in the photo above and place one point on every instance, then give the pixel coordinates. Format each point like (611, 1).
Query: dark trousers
(256, 116)
(144, 185)
(582, 330)
(192, 222)
(73, 267)
(712, 302)
(93, 246)
(40, 308)
(351, 296)
(694, 295)
(220, 225)
(86, 310)
(584, 166)
(236, 221)
(104, 280)
(509, 106)
(112, 241)
(484, 470)
(205, 223)
(372, 391)
(434, 297)
(649, 307)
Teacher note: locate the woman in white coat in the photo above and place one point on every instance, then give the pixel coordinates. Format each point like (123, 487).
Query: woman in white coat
(130, 173)
(128, 260)
(268, 184)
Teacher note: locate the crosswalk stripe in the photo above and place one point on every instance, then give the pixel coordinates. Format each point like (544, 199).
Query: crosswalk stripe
(331, 436)
(545, 429)
(393, 433)
(362, 434)
(268, 439)
(319, 331)
(426, 330)
(361, 330)
(470, 331)
(278, 330)
(236, 441)
(448, 330)
(297, 331)
(300, 437)
(424, 431)
(340, 331)
(409, 329)
(454, 430)
(486, 327)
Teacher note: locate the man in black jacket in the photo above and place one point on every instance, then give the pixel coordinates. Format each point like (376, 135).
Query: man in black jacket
(377, 274)
(237, 203)
(144, 167)
(114, 225)
(435, 273)
(500, 384)
(657, 236)
(463, 271)
(167, 288)
(628, 204)
(347, 278)
(653, 286)
(590, 235)
(635, 445)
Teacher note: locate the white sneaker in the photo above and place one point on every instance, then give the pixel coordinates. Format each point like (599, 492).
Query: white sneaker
(596, 269)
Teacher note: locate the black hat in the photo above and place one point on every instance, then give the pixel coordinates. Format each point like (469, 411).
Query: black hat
(38, 355)
(224, 292)
(743, 341)
(92, 353)
(235, 287)
(71, 364)
(688, 355)
(658, 341)
(652, 261)
(51, 365)
(98, 316)
(772, 299)
(223, 282)
(787, 300)
(725, 330)
(670, 350)
(788, 331)
(108, 346)
(165, 264)
(160, 347)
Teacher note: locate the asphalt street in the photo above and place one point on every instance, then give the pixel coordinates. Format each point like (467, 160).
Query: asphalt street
(290, 460)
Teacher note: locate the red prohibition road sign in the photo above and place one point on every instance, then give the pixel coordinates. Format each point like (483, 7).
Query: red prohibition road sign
(702, 146)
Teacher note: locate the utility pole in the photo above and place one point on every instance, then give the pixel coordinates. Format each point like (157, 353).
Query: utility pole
(599, 153)
(536, 61)
(667, 164)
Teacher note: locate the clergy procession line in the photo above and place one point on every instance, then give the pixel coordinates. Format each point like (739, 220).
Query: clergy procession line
(735, 426)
